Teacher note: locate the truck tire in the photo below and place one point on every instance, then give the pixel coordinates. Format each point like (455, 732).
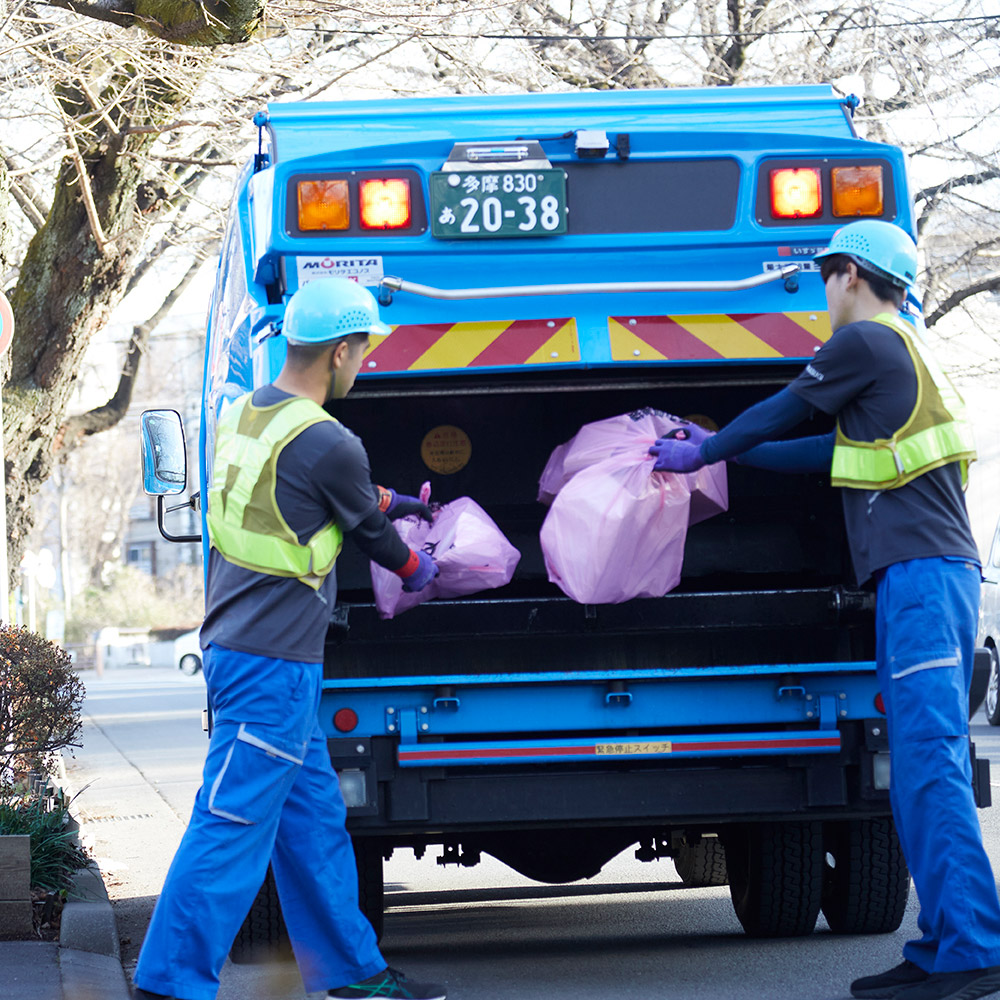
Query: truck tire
(371, 888)
(263, 936)
(866, 882)
(703, 863)
(776, 877)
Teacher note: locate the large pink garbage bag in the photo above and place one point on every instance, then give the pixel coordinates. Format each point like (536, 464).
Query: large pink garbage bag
(472, 554)
(616, 531)
(631, 434)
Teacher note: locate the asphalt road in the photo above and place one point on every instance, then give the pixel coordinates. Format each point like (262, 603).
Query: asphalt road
(486, 932)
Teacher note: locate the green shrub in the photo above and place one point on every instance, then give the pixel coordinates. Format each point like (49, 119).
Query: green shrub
(55, 853)
(40, 701)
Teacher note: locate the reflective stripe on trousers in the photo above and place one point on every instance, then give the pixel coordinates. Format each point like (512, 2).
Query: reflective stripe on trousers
(926, 617)
(268, 794)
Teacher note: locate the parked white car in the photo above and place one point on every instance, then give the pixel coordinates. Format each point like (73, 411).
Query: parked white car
(187, 653)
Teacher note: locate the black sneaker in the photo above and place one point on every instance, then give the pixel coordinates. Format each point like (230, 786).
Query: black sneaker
(389, 983)
(889, 984)
(955, 985)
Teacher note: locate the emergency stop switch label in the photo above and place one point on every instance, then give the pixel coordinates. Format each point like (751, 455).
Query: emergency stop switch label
(446, 449)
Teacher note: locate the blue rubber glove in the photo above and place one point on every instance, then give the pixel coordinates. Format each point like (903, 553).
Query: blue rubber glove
(688, 431)
(422, 575)
(396, 505)
(673, 455)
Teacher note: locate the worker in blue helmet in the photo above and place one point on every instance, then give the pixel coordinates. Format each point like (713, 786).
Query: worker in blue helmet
(289, 482)
(900, 453)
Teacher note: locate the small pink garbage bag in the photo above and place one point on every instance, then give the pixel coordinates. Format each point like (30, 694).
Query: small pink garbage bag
(472, 554)
(616, 531)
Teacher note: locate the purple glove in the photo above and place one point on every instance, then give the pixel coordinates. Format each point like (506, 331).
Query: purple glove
(396, 505)
(426, 570)
(688, 431)
(673, 455)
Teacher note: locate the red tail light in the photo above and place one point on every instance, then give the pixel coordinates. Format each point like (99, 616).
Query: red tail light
(385, 203)
(345, 719)
(879, 703)
(796, 193)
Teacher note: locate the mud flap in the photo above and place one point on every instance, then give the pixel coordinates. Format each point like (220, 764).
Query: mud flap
(981, 788)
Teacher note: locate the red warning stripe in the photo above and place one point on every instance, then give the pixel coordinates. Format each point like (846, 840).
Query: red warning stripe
(780, 332)
(589, 750)
(397, 353)
(517, 343)
(487, 753)
(669, 338)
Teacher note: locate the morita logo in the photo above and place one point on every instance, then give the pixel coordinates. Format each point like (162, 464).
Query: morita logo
(327, 262)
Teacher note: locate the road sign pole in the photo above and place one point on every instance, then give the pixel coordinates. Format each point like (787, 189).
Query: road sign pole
(6, 335)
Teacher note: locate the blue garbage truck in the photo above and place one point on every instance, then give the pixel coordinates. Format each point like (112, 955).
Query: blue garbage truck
(548, 260)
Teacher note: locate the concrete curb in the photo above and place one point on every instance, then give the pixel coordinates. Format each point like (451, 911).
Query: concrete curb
(88, 919)
(89, 947)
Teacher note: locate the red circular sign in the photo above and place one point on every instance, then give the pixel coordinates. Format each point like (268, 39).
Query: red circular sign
(6, 323)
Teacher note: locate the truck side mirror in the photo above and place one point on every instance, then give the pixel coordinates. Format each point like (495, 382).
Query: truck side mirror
(164, 457)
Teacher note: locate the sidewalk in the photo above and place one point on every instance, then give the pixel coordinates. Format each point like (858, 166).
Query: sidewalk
(84, 965)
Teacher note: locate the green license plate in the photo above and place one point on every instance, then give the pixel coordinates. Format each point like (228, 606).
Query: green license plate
(470, 204)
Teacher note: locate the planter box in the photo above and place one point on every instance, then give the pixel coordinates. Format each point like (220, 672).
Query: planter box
(15, 886)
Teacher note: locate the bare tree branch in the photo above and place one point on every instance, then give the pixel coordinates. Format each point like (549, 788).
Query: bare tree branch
(122, 14)
(990, 284)
(102, 417)
(935, 190)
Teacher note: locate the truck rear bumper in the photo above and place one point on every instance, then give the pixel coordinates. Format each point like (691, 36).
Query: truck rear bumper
(403, 803)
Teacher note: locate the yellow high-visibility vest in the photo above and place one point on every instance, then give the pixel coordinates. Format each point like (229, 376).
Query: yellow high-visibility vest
(244, 522)
(935, 434)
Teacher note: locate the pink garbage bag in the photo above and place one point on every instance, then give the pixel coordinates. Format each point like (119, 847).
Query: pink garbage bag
(616, 531)
(626, 434)
(472, 554)
(709, 492)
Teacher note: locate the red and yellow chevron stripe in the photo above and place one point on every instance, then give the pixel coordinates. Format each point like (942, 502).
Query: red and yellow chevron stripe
(419, 347)
(707, 338)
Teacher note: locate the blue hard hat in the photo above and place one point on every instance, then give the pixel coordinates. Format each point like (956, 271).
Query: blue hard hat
(327, 309)
(879, 247)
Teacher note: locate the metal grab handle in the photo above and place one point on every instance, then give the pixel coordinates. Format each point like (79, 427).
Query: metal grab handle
(390, 284)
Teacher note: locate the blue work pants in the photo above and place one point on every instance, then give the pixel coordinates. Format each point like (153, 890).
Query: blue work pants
(926, 617)
(268, 795)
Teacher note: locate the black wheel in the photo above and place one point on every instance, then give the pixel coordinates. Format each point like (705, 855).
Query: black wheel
(189, 664)
(776, 877)
(263, 936)
(866, 881)
(703, 863)
(371, 888)
(993, 690)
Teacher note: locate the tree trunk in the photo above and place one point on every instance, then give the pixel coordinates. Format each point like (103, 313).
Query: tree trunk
(73, 275)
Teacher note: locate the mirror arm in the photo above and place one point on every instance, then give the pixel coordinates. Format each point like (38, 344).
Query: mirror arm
(164, 532)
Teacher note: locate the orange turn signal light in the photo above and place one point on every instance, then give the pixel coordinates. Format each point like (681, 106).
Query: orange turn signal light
(796, 193)
(385, 203)
(856, 191)
(323, 205)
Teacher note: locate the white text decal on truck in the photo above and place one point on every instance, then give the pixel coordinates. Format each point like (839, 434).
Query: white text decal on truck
(364, 270)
